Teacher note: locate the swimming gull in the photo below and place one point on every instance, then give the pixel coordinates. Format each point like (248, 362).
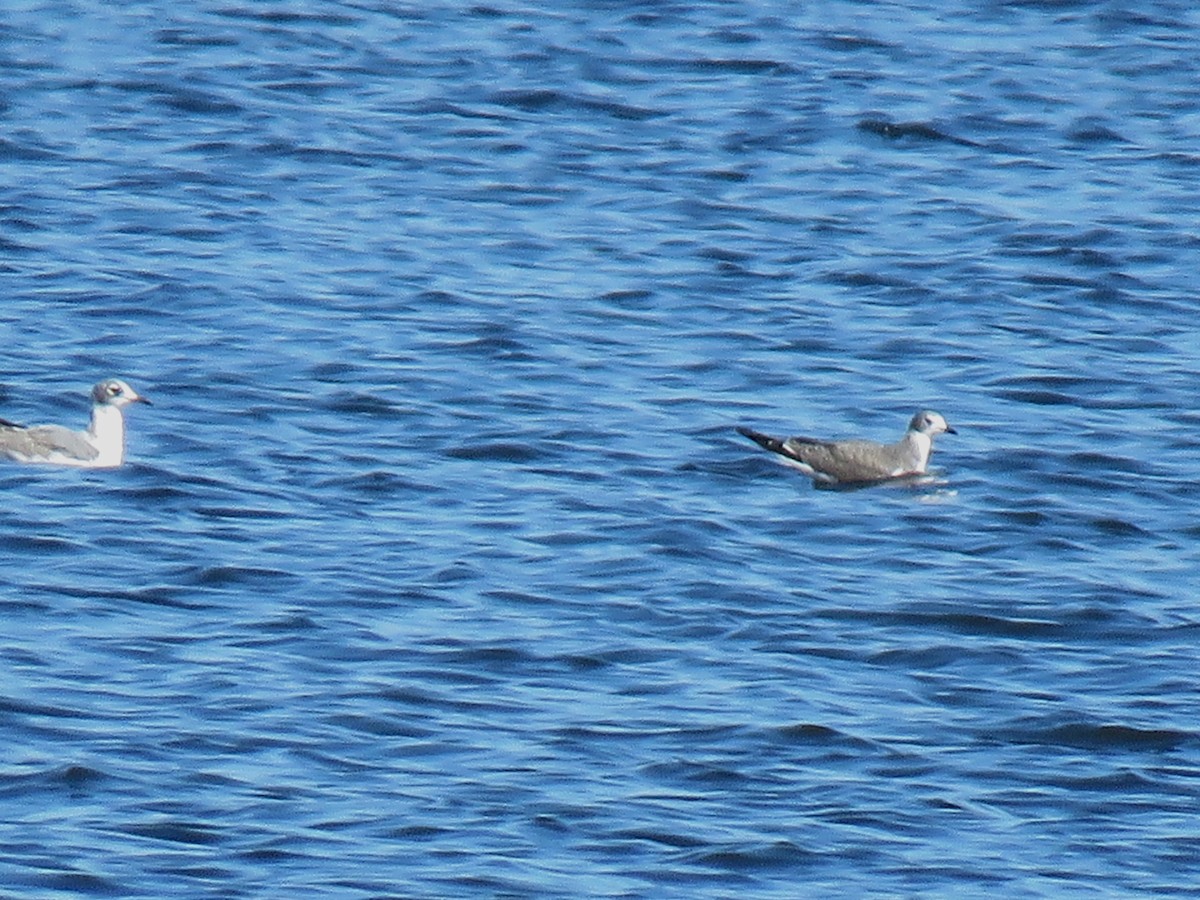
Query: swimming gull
(851, 462)
(102, 446)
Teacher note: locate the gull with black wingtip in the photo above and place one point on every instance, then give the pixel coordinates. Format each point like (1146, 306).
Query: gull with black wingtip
(859, 462)
(101, 446)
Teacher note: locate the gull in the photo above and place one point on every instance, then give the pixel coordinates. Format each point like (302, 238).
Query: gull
(102, 446)
(856, 462)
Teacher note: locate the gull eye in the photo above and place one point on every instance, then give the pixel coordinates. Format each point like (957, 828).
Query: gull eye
(114, 389)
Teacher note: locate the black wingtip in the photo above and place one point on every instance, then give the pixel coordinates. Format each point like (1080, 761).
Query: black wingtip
(763, 440)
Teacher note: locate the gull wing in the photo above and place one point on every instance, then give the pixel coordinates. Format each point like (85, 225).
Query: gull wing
(842, 461)
(41, 441)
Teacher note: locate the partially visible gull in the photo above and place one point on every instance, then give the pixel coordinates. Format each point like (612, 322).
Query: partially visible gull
(102, 446)
(856, 462)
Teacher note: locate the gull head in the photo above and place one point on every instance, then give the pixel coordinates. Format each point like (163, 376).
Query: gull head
(930, 423)
(115, 393)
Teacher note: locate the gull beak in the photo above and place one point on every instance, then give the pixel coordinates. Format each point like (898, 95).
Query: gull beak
(140, 399)
(949, 430)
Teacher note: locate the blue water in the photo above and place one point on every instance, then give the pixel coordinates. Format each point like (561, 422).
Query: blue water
(438, 570)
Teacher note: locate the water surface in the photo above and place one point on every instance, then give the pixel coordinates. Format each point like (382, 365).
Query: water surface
(438, 568)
